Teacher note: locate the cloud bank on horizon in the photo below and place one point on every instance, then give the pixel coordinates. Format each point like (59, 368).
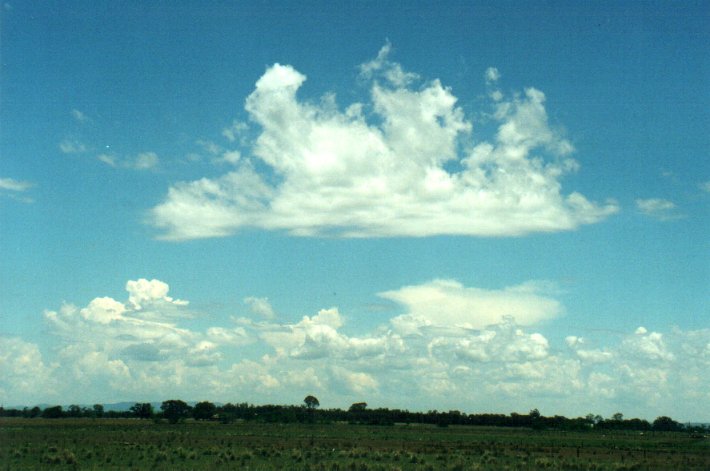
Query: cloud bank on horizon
(407, 163)
(463, 347)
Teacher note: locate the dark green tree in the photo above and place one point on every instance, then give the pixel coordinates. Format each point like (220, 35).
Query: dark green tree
(535, 419)
(54, 412)
(175, 410)
(358, 407)
(665, 424)
(228, 413)
(142, 410)
(204, 410)
(98, 410)
(31, 413)
(311, 402)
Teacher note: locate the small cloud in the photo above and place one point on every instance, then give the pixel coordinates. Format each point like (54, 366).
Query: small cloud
(492, 74)
(10, 184)
(72, 146)
(670, 174)
(210, 147)
(658, 208)
(143, 293)
(237, 129)
(260, 306)
(145, 161)
(15, 189)
(391, 71)
(79, 116)
(705, 186)
(109, 160)
(230, 157)
(222, 336)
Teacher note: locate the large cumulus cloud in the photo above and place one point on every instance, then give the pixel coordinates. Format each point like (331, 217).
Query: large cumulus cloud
(403, 164)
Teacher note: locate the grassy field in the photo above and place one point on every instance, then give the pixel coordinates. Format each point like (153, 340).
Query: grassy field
(129, 444)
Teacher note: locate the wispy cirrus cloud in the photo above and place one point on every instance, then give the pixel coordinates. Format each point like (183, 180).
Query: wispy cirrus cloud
(80, 116)
(71, 145)
(142, 161)
(74, 145)
(658, 208)
(11, 184)
(16, 189)
(348, 173)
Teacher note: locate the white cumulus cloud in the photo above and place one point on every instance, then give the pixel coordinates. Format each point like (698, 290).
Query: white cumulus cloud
(143, 291)
(449, 303)
(492, 74)
(24, 376)
(113, 350)
(347, 173)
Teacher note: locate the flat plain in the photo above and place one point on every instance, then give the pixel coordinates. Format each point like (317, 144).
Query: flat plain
(132, 444)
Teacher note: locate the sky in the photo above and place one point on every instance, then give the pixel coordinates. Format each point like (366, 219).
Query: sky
(480, 206)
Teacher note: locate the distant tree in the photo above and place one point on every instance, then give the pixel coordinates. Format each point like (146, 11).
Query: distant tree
(98, 410)
(618, 417)
(227, 413)
(311, 402)
(665, 424)
(175, 410)
(204, 410)
(535, 419)
(54, 412)
(73, 411)
(142, 410)
(358, 407)
(637, 424)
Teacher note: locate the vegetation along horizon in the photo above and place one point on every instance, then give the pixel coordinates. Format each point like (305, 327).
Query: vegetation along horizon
(243, 436)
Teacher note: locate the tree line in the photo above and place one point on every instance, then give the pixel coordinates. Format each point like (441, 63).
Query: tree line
(175, 410)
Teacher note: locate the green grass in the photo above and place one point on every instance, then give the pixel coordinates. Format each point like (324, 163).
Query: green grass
(127, 444)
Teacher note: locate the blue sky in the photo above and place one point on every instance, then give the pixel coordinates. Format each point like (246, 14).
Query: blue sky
(494, 206)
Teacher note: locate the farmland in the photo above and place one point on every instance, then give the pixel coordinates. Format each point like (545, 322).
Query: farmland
(132, 444)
